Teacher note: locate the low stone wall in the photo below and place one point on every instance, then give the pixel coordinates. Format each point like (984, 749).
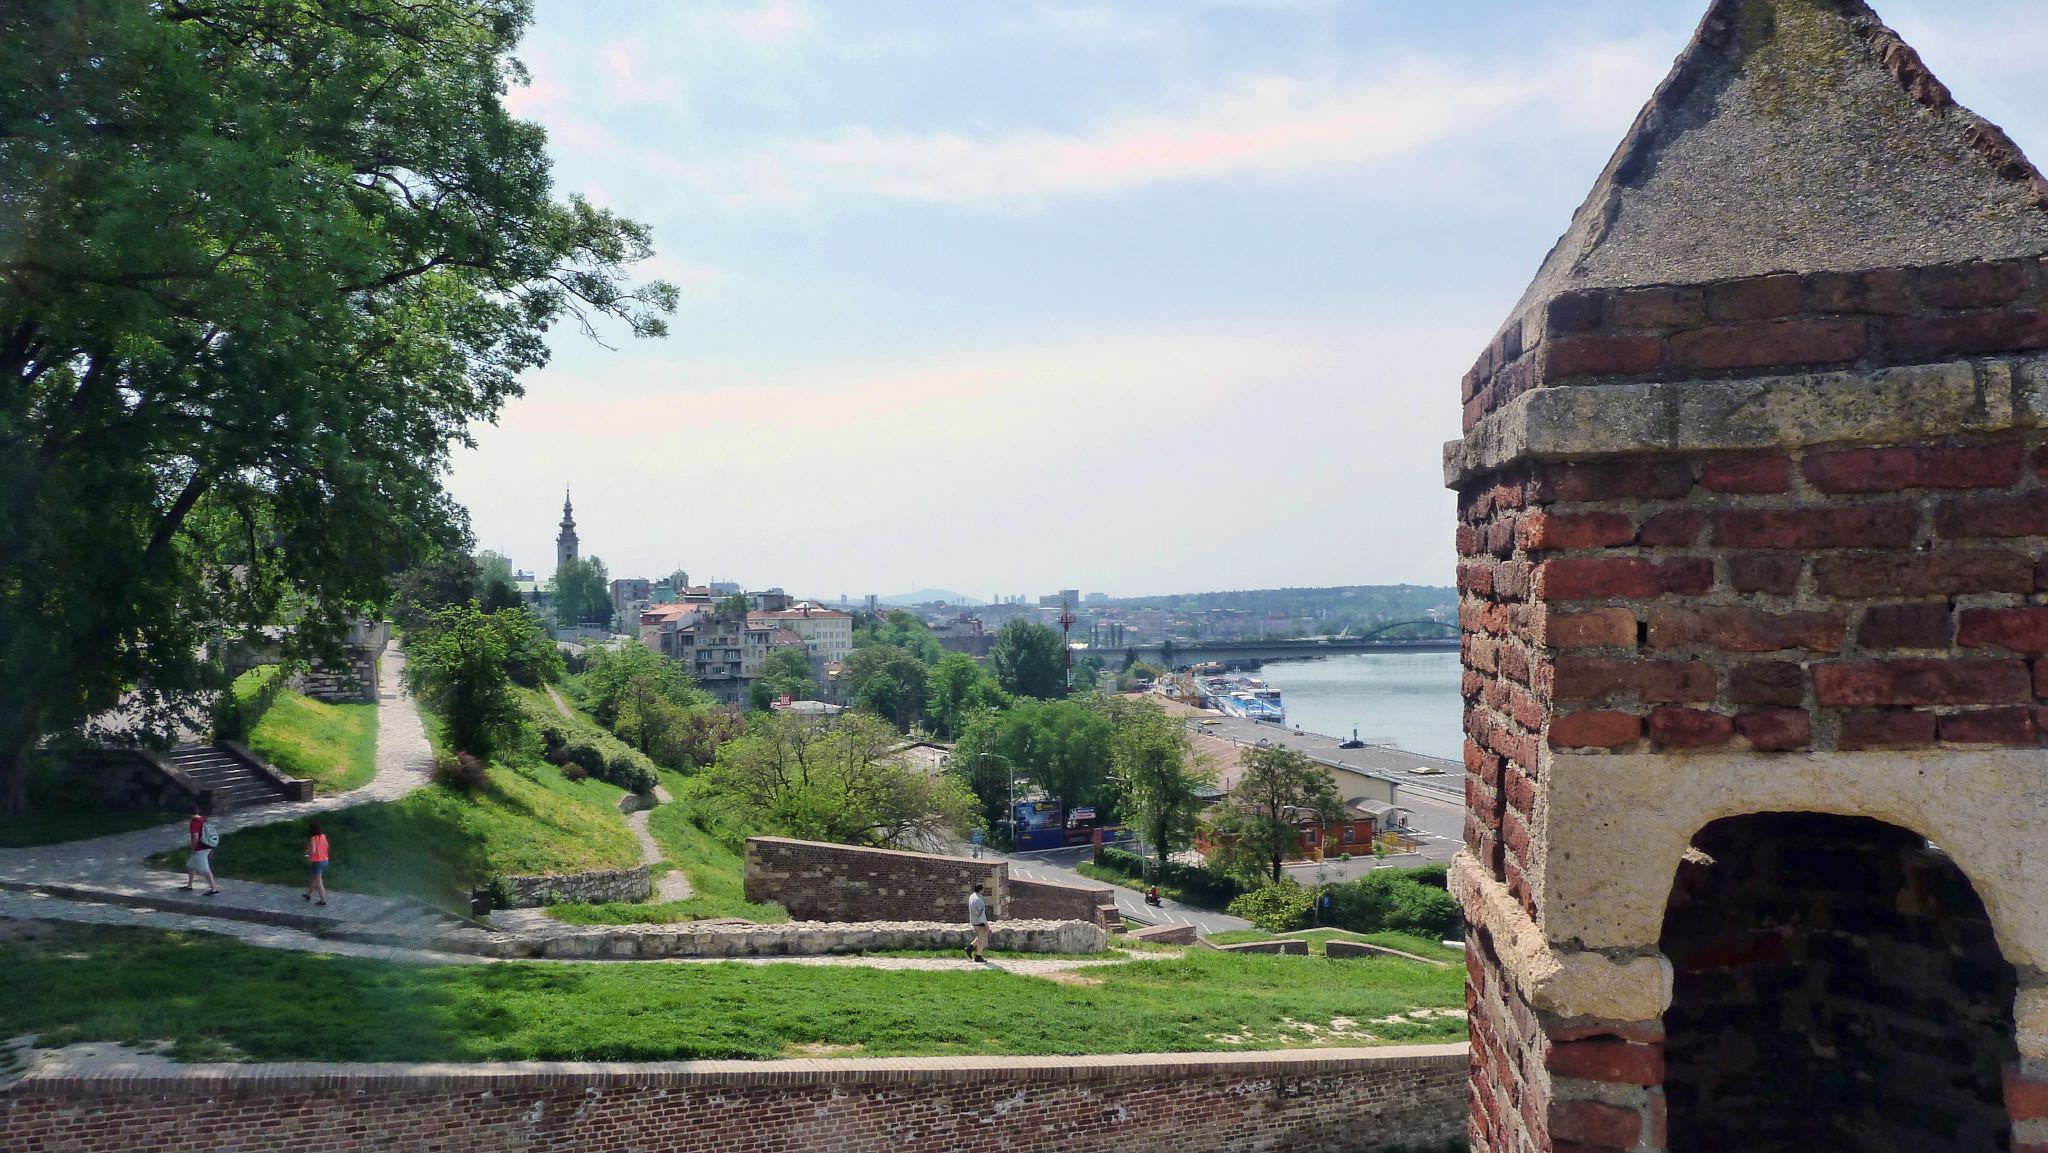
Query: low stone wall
(795, 939)
(1368, 1100)
(816, 881)
(1281, 948)
(1165, 934)
(1053, 901)
(592, 888)
(1337, 950)
(140, 779)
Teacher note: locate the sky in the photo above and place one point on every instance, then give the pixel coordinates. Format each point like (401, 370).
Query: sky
(1136, 297)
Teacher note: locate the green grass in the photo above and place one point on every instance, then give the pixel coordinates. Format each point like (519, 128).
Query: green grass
(65, 805)
(1171, 892)
(334, 746)
(436, 844)
(697, 838)
(216, 998)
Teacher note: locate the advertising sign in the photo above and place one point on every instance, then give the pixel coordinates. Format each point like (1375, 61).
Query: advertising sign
(1040, 825)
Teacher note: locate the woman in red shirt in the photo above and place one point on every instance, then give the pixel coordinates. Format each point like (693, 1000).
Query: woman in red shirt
(316, 860)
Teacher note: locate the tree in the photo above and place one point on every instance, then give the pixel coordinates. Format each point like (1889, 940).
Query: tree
(428, 587)
(261, 267)
(458, 665)
(979, 765)
(838, 781)
(1149, 755)
(957, 689)
(902, 630)
(1088, 673)
(619, 672)
(1029, 660)
(582, 592)
(732, 608)
(531, 658)
(784, 672)
(887, 681)
(1063, 747)
(1261, 819)
(492, 566)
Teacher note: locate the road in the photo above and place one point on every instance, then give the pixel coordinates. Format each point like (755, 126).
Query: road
(1436, 799)
(1058, 865)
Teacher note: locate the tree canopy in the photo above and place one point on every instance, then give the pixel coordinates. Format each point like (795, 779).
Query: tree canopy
(1260, 822)
(1149, 758)
(582, 592)
(902, 630)
(1063, 747)
(1029, 660)
(261, 265)
(784, 672)
(838, 781)
(956, 689)
(888, 682)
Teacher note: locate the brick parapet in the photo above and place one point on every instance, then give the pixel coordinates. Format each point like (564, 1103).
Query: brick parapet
(1366, 1099)
(1880, 317)
(818, 881)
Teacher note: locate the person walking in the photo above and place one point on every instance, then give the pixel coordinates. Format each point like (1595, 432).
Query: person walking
(316, 863)
(977, 919)
(201, 837)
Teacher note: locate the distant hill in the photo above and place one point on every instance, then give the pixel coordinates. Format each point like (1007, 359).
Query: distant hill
(927, 596)
(1346, 605)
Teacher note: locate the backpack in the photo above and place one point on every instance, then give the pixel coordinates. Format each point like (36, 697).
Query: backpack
(209, 835)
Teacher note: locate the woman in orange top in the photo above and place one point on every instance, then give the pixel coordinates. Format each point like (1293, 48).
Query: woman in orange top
(316, 859)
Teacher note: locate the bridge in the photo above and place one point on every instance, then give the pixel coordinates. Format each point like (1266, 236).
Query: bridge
(1399, 637)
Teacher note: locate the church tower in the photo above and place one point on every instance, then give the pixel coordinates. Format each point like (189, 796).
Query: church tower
(565, 541)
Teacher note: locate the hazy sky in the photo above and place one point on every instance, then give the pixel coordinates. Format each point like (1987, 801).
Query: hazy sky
(1132, 297)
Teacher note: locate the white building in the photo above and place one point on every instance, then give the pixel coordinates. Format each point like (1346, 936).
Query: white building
(827, 633)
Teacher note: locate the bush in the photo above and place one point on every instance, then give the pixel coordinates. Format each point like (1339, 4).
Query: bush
(237, 711)
(1198, 884)
(462, 773)
(1277, 908)
(629, 774)
(574, 772)
(1401, 900)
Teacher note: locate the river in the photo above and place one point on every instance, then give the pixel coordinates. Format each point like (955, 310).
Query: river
(1412, 700)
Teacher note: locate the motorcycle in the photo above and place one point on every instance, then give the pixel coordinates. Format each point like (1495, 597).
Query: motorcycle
(1152, 898)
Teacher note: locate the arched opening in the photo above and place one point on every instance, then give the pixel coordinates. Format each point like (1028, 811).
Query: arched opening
(1837, 988)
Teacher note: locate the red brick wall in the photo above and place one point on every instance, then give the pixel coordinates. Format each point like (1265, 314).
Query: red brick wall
(1360, 1100)
(1839, 598)
(1052, 901)
(817, 881)
(1821, 320)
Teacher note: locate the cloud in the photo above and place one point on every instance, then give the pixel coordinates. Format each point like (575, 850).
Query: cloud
(775, 22)
(623, 71)
(1263, 126)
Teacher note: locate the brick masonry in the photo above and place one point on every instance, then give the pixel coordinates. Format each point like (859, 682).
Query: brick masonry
(816, 881)
(1363, 1100)
(1052, 901)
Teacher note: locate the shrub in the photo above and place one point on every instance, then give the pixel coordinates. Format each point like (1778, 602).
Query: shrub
(629, 774)
(1277, 908)
(461, 772)
(1198, 884)
(574, 772)
(1402, 900)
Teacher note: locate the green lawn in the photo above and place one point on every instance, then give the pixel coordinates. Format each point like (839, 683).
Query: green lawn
(436, 844)
(64, 805)
(216, 998)
(334, 746)
(694, 836)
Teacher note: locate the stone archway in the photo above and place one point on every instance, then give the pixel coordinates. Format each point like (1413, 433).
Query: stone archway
(1837, 984)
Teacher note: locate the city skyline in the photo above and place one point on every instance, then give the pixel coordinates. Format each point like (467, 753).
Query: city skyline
(1143, 297)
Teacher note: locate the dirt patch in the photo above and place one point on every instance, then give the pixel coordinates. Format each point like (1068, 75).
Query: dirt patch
(822, 1049)
(25, 932)
(1069, 977)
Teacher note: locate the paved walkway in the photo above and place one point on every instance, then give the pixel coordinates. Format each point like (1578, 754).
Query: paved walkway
(114, 869)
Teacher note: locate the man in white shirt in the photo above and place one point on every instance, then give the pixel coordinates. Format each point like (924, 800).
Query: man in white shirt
(977, 918)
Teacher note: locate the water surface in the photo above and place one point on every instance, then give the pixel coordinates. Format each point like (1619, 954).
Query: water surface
(1409, 699)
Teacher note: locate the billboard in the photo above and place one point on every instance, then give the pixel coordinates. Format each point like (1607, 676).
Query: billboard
(1040, 824)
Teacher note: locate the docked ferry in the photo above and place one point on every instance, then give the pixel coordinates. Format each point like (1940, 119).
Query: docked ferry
(1248, 697)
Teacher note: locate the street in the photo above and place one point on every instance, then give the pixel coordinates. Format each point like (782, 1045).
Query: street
(1057, 865)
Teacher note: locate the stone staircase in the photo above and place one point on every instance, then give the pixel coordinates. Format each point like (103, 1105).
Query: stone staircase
(236, 784)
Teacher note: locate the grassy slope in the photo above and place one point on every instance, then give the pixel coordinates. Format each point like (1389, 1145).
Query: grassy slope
(216, 997)
(695, 837)
(436, 844)
(64, 805)
(334, 746)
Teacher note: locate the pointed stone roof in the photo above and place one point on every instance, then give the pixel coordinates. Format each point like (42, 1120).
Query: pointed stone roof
(1798, 136)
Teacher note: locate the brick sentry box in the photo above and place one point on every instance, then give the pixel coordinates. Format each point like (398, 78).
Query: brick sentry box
(1366, 1100)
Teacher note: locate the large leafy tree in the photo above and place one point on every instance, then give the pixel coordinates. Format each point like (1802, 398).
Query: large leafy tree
(1149, 755)
(888, 682)
(461, 662)
(902, 630)
(840, 781)
(1063, 747)
(1260, 822)
(1029, 660)
(261, 264)
(955, 691)
(582, 592)
(784, 672)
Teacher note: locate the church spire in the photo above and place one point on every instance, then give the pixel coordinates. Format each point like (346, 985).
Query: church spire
(565, 541)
